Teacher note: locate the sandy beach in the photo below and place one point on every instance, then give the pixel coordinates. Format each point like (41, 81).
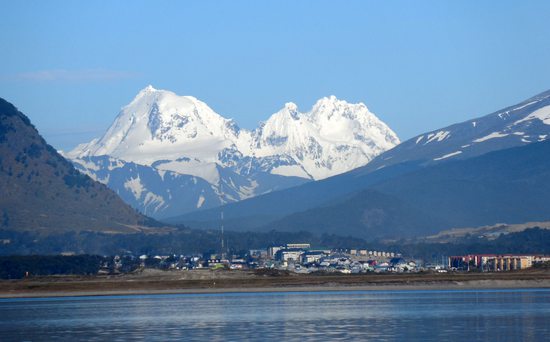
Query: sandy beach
(206, 281)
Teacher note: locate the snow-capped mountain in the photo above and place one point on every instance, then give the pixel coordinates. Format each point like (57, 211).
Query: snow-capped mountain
(159, 125)
(434, 172)
(168, 154)
(334, 137)
(517, 125)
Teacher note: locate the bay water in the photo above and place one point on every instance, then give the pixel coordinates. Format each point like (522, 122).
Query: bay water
(434, 315)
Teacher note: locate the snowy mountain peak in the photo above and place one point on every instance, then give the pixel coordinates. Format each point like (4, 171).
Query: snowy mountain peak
(289, 111)
(332, 105)
(327, 100)
(292, 110)
(148, 89)
(332, 138)
(158, 125)
(162, 145)
(291, 106)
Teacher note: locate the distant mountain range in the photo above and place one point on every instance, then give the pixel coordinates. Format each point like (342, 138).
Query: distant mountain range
(490, 170)
(41, 192)
(438, 180)
(167, 154)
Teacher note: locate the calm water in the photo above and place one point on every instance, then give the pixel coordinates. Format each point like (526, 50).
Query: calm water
(492, 315)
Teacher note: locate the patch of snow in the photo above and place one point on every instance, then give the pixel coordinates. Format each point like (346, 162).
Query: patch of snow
(153, 200)
(419, 139)
(439, 136)
(229, 198)
(525, 105)
(474, 123)
(248, 191)
(161, 173)
(518, 133)
(449, 155)
(542, 114)
(290, 171)
(200, 202)
(134, 185)
(105, 180)
(507, 113)
(115, 163)
(90, 165)
(92, 176)
(206, 171)
(491, 136)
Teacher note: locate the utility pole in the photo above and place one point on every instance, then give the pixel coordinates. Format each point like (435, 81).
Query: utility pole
(222, 253)
(221, 229)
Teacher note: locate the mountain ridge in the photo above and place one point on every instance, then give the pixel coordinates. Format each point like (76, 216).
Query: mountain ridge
(42, 192)
(182, 135)
(520, 124)
(159, 120)
(404, 158)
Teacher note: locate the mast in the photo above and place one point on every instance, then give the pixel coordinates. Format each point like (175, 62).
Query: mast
(221, 230)
(222, 251)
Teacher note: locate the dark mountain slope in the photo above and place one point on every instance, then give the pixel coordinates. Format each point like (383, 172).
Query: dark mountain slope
(368, 214)
(257, 211)
(42, 192)
(509, 186)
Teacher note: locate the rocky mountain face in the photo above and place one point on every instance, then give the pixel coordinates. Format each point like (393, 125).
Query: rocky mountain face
(42, 192)
(519, 125)
(157, 192)
(167, 154)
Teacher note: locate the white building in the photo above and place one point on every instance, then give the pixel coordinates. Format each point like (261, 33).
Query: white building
(290, 255)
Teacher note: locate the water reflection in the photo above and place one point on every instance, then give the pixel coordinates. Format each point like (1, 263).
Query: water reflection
(499, 315)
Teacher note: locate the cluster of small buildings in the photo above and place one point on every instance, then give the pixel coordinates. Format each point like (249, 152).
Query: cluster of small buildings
(301, 258)
(294, 257)
(495, 262)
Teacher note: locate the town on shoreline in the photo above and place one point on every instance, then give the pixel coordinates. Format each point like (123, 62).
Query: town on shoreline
(288, 259)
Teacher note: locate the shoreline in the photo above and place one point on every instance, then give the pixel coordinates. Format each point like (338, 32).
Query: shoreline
(163, 284)
(296, 289)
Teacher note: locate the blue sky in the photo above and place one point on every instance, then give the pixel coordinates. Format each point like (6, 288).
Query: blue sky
(419, 65)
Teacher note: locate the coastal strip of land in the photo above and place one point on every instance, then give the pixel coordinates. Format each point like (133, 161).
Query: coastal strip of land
(207, 281)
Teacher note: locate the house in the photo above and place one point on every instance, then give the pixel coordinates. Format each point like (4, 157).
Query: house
(286, 255)
(310, 257)
(272, 251)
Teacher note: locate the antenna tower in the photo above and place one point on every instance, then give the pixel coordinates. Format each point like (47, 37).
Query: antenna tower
(221, 222)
